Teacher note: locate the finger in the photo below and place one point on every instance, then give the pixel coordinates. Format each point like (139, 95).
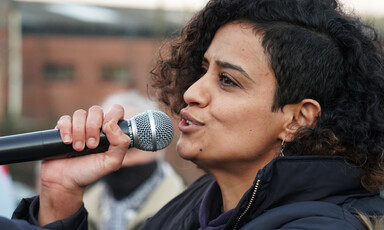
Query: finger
(64, 124)
(116, 112)
(119, 143)
(93, 126)
(78, 129)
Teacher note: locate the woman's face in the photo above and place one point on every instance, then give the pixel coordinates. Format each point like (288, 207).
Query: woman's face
(228, 121)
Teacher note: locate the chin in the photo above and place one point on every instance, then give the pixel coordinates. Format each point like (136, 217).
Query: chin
(187, 156)
(186, 153)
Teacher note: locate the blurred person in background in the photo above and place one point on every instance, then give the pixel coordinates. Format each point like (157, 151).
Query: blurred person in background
(7, 197)
(124, 199)
(11, 192)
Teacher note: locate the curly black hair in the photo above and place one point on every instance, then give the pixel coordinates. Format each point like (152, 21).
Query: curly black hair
(316, 51)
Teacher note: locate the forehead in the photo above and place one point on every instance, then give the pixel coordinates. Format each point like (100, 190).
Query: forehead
(238, 43)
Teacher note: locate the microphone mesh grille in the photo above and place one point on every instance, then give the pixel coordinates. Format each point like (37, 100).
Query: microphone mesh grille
(163, 129)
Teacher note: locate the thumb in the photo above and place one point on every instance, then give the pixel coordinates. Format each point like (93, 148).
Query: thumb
(119, 143)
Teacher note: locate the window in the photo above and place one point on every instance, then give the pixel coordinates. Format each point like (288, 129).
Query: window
(116, 74)
(54, 72)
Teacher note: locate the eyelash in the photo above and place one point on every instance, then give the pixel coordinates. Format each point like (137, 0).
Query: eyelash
(222, 78)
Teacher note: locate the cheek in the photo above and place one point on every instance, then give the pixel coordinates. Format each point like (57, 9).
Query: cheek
(236, 120)
(248, 120)
(253, 142)
(254, 126)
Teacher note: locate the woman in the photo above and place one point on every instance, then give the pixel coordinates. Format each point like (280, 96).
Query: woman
(283, 107)
(281, 103)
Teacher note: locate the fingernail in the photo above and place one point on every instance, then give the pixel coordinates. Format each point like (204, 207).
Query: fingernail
(78, 145)
(66, 139)
(91, 141)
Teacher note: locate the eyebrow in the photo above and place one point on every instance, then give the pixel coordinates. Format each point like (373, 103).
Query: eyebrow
(231, 66)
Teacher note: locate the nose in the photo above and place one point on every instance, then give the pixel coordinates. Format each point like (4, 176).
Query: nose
(198, 94)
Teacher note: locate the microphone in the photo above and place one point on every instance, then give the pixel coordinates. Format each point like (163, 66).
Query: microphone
(149, 131)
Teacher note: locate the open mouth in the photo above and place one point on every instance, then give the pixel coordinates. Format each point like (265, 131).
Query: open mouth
(188, 122)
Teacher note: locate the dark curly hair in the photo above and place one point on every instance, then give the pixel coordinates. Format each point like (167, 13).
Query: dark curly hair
(316, 51)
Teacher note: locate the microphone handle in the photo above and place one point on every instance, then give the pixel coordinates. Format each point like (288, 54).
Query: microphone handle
(48, 144)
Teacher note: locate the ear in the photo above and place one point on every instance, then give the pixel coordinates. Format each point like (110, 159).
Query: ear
(302, 114)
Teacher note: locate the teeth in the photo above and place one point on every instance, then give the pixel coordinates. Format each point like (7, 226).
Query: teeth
(189, 122)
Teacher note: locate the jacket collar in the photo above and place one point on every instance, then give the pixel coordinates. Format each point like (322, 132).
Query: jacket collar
(292, 179)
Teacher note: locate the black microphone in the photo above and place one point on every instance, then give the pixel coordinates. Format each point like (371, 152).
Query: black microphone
(149, 131)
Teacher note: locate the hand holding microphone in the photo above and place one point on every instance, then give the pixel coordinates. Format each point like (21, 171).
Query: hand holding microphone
(63, 180)
(149, 131)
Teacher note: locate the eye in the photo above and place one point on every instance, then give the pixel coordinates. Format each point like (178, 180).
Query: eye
(226, 81)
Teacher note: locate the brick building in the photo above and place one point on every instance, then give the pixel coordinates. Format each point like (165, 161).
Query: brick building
(62, 74)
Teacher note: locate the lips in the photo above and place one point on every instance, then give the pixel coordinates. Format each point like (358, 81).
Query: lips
(188, 123)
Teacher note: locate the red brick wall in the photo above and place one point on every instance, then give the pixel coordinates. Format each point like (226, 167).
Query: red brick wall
(47, 100)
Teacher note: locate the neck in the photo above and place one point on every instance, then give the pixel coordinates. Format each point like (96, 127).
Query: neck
(235, 180)
(233, 188)
(127, 179)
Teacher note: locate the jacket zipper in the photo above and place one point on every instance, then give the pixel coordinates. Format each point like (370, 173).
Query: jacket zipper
(249, 204)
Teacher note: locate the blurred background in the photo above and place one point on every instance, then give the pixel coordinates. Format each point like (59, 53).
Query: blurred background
(59, 56)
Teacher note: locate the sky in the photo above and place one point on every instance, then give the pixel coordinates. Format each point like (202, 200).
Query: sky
(362, 7)
(366, 7)
(147, 4)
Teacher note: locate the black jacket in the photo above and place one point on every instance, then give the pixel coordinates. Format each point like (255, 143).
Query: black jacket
(25, 218)
(298, 192)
